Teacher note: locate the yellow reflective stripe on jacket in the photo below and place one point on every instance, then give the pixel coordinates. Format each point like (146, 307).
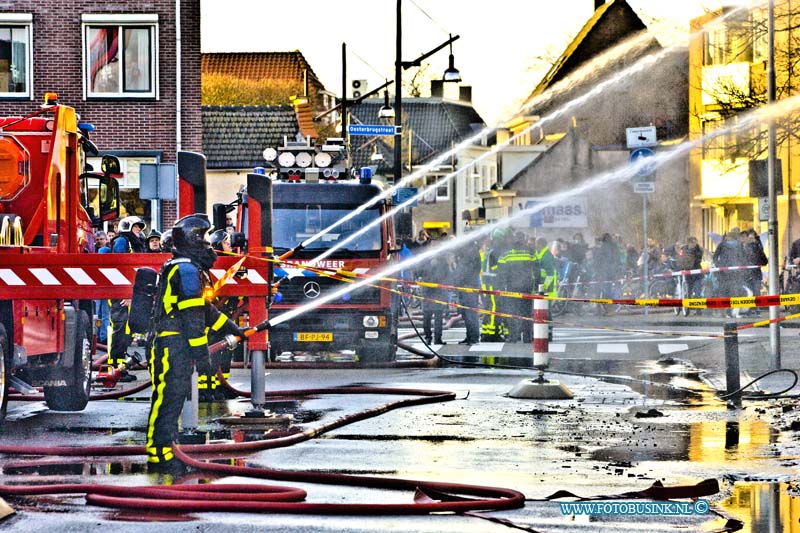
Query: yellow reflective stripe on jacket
(198, 341)
(167, 333)
(513, 256)
(191, 302)
(220, 322)
(169, 298)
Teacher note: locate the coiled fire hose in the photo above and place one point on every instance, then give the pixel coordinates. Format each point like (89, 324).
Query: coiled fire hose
(428, 497)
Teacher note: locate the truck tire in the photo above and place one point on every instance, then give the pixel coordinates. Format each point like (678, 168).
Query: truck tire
(75, 396)
(5, 370)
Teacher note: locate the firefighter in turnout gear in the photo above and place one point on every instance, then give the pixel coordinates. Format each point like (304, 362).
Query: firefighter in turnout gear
(547, 276)
(208, 383)
(547, 272)
(515, 273)
(128, 241)
(182, 315)
(493, 328)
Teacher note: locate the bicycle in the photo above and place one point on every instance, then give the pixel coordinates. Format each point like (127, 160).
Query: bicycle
(571, 285)
(658, 288)
(790, 283)
(680, 293)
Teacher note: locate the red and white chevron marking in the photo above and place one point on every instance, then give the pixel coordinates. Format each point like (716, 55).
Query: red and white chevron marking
(74, 276)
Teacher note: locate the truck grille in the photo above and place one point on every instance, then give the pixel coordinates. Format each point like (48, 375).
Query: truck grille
(300, 290)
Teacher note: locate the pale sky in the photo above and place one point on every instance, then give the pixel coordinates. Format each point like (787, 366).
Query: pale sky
(496, 54)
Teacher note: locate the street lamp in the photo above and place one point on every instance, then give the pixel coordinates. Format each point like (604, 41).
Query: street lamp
(376, 155)
(386, 110)
(450, 75)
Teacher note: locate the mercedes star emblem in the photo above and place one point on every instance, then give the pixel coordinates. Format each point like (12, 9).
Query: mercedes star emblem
(311, 289)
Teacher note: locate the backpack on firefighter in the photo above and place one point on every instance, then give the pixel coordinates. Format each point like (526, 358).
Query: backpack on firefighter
(143, 303)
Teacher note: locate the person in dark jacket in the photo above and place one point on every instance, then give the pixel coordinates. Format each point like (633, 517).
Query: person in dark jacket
(729, 254)
(694, 261)
(753, 255)
(129, 240)
(516, 272)
(607, 266)
(437, 270)
(180, 342)
(467, 274)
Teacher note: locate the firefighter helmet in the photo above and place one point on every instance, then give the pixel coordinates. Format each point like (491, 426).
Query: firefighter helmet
(189, 232)
(166, 241)
(500, 233)
(217, 239)
(127, 223)
(154, 234)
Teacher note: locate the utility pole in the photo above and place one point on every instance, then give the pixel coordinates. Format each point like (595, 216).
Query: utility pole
(344, 108)
(398, 89)
(774, 331)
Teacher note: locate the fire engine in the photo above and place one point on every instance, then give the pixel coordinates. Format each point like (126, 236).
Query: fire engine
(48, 208)
(314, 192)
(50, 202)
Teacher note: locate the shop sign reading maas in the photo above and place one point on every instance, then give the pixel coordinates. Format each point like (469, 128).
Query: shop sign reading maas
(568, 213)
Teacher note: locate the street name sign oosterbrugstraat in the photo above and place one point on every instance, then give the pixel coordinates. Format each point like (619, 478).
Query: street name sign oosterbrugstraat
(371, 129)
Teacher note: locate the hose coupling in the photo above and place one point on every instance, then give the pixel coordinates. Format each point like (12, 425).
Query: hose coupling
(231, 341)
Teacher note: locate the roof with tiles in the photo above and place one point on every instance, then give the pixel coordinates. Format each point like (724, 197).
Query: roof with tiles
(610, 24)
(259, 65)
(435, 123)
(235, 136)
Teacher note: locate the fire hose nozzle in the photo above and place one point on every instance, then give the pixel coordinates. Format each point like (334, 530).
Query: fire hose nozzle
(231, 341)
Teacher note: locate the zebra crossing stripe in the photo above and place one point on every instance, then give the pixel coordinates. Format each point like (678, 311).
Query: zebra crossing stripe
(664, 349)
(612, 348)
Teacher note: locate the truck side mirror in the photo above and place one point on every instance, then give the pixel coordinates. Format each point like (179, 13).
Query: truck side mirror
(109, 198)
(218, 215)
(110, 165)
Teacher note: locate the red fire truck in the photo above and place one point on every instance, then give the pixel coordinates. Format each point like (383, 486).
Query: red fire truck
(49, 273)
(306, 200)
(46, 215)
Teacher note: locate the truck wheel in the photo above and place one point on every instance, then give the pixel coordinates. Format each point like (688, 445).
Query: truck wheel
(75, 396)
(5, 370)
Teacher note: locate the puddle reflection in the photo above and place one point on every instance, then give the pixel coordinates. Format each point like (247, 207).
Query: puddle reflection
(764, 507)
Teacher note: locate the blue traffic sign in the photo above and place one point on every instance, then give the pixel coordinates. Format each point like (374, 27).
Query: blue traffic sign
(640, 156)
(370, 129)
(404, 193)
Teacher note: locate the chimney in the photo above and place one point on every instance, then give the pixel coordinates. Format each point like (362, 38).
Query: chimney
(598, 4)
(437, 88)
(465, 94)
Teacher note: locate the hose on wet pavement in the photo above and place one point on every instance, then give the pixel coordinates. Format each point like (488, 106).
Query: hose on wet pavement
(429, 496)
(765, 396)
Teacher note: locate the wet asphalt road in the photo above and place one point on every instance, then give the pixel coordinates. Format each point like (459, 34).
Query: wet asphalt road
(594, 444)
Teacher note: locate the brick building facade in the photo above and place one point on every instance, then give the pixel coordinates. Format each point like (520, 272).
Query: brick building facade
(65, 46)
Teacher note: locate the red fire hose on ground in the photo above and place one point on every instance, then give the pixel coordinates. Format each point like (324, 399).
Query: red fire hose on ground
(428, 496)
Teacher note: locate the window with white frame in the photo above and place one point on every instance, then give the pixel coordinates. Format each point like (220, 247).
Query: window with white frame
(441, 192)
(120, 56)
(16, 63)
